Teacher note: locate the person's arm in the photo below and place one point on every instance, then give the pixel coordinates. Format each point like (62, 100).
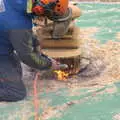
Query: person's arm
(22, 41)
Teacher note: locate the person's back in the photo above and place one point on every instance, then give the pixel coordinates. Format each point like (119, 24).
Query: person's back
(13, 16)
(16, 35)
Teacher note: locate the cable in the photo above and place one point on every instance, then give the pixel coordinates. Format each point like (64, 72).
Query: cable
(36, 105)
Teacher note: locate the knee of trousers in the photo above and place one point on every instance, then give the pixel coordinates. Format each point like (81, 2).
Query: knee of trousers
(13, 96)
(19, 96)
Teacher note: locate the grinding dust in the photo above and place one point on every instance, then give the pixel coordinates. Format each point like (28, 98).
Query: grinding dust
(105, 60)
(116, 117)
(107, 55)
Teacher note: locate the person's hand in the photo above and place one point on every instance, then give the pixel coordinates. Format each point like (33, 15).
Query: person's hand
(58, 66)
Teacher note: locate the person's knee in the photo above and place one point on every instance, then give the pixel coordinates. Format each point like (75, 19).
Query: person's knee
(20, 96)
(13, 97)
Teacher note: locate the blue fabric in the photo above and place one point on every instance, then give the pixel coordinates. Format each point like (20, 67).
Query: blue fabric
(15, 15)
(13, 18)
(11, 84)
(5, 45)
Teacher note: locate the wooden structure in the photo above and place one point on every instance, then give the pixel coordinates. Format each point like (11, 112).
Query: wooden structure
(67, 49)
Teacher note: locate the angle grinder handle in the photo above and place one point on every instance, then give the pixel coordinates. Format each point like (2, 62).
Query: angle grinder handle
(63, 66)
(57, 65)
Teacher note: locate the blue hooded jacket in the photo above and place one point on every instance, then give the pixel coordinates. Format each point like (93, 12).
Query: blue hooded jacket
(13, 17)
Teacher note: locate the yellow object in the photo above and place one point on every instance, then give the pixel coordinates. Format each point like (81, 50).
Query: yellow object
(29, 6)
(61, 75)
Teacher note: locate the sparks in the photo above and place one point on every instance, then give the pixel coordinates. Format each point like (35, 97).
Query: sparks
(61, 75)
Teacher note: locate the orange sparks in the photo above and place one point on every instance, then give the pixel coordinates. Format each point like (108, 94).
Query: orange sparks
(61, 75)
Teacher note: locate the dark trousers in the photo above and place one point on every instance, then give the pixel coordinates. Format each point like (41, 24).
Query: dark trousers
(11, 84)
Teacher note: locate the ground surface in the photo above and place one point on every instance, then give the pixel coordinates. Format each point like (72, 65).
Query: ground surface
(85, 98)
